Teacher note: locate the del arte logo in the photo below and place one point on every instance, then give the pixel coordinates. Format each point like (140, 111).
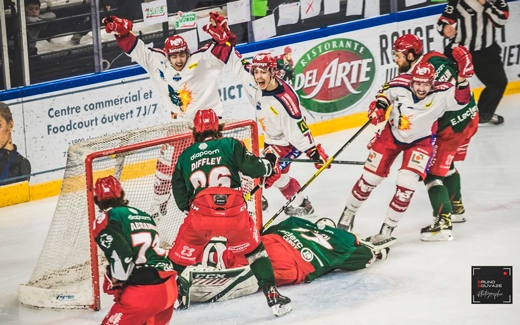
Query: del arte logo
(334, 75)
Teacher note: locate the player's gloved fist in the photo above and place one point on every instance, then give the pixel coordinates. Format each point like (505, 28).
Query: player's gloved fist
(119, 26)
(464, 61)
(377, 112)
(275, 173)
(218, 29)
(112, 288)
(317, 153)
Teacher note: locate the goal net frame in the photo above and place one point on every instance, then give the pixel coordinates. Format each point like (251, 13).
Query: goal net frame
(34, 296)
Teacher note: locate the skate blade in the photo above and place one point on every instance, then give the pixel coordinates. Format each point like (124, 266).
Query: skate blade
(281, 310)
(443, 235)
(457, 218)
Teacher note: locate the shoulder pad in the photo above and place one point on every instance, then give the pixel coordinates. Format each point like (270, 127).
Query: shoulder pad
(400, 81)
(442, 86)
(100, 223)
(289, 101)
(153, 49)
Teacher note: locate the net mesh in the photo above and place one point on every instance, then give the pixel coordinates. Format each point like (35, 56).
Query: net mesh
(64, 261)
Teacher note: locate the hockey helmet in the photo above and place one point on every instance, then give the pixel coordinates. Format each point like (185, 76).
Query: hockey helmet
(175, 44)
(287, 50)
(409, 42)
(107, 188)
(424, 72)
(205, 120)
(263, 61)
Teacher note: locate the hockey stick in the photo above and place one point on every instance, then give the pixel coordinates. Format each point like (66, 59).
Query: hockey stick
(105, 10)
(325, 165)
(284, 163)
(339, 162)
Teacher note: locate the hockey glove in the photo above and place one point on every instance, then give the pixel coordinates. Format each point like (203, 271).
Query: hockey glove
(113, 288)
(120, 26)
(317, 153)
(377, 112)
(275, 173)
(219, 30)
(464, 61)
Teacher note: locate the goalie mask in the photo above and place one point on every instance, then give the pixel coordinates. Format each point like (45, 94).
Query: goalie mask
(107, 188)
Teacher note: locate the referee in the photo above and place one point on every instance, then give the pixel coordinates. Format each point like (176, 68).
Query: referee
(473, 23)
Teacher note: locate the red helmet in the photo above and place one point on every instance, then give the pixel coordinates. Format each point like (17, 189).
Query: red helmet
(263, 61)
(409, 42)
(107, 188)
(205, 120)
(175, 44)
(424, 72)
(287, 50)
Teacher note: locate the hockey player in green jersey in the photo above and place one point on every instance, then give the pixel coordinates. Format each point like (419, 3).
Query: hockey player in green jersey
(455, 129)
(138, 268)
(206, 184)
(299, 250)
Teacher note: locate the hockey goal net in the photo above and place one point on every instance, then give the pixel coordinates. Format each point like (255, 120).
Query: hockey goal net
(68, 270)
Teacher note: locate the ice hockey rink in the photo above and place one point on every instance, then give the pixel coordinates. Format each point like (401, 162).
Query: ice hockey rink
(419, 283)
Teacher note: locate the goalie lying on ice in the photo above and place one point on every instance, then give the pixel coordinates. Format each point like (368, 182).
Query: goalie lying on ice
(299, 250)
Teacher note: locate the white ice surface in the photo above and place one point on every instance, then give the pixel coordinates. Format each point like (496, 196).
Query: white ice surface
(420, 283)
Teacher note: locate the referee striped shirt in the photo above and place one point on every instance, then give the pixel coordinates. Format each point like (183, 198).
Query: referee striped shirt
(475, 22)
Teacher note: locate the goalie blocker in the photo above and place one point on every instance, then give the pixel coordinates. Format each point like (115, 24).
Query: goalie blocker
(299, 250)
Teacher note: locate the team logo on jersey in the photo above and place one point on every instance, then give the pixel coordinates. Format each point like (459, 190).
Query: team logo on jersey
(175, 78)
(262, 123)
(427, 105)
(273, 110)
(203, 146)
(193, 66)
(106, 240)
(307, 254)
(334, 75)
(303, 126)
(161, 75)
(187, 251)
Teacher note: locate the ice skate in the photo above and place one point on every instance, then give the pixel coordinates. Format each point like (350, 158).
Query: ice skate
(280, 305)
(440, 230)
(346, 221)
(384, 239)
(457, 212)
(303, 209)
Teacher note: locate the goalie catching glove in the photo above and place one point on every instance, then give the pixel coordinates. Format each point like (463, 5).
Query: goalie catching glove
(317, 153)
(377, 111)
(219, 30)
(120, 26)
(275, 173)
(464, 61)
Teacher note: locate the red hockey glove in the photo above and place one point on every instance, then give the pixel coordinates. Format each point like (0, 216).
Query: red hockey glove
(276, 172)
(119, 26)
(464, 61)
(219, 30)
(112, 288)
(377, 112)
(317, 153)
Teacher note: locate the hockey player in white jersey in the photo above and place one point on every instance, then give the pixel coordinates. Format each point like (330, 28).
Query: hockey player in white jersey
(418, 101)
(279, 114)
(188, 82)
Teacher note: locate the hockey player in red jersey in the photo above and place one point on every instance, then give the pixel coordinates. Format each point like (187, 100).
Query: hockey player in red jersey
(187, 82)
(138, 268)
(418, 101)
(279, 114)
(455, 129)
(206, 184)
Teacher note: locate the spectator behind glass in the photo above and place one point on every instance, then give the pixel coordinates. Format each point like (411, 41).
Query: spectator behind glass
(12, 164)
(32, 15)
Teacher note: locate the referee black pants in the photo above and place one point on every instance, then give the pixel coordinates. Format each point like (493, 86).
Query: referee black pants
(490, 71)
